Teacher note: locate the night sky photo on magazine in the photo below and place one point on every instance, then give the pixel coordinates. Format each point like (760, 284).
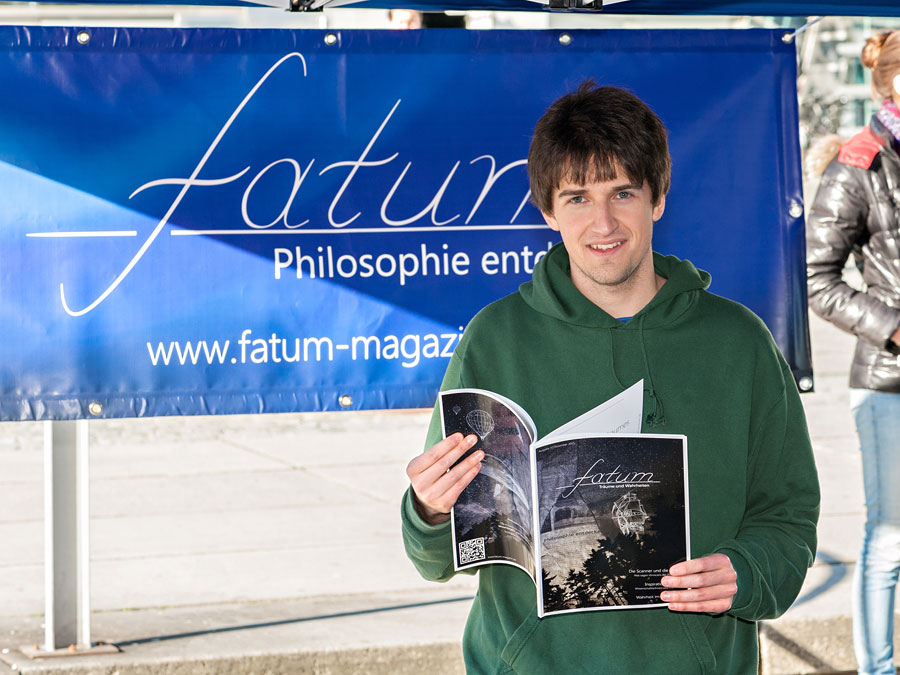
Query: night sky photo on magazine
(492, 519)
(612, 514)
(594, 514)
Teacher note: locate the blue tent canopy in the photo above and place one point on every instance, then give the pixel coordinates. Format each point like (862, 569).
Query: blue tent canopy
(712, 7)
(737, 7)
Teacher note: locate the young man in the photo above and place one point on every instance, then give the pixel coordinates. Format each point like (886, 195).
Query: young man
(602, 312)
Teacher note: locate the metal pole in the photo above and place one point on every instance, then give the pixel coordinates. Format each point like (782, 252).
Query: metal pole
(84, 549)
(66, 542)
(49, 526)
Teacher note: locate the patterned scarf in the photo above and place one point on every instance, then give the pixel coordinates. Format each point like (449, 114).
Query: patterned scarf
(889, 115)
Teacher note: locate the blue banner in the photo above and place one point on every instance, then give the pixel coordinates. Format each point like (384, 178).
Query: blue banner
(234, 221)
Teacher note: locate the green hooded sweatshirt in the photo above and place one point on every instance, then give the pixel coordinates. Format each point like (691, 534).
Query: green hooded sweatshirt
(712, 372)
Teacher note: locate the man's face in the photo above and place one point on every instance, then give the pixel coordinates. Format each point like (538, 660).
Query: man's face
(607, 229)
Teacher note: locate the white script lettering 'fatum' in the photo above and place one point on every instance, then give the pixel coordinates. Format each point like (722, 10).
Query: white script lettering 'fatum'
(354, 167)
(299, 175)
(186, 184)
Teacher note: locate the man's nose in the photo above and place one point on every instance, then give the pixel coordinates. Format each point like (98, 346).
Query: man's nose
(602, 219)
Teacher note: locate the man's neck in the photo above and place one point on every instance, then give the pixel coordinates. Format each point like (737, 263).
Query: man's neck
(629, 304)
(624, 299)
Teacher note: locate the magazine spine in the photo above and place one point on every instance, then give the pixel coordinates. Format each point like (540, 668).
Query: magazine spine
(536, 533)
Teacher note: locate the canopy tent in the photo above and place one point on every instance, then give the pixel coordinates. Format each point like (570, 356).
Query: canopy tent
(161, 97)
(712, 7)
(396, 297)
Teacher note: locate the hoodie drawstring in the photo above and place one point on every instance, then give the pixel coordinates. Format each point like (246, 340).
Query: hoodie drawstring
(657, 416)
(612, 360)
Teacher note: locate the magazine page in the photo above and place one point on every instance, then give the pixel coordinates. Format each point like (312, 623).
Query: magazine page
(612, 517)
(492, 519)
(622, 414)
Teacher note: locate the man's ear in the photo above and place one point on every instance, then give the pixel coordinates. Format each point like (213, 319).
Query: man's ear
(659, 208)
(550, 220)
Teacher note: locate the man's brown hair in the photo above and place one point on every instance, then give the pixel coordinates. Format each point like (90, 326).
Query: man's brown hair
(584, 136)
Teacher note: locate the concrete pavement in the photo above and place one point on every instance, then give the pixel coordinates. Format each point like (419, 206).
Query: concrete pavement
(814, 635)
(270, 544)
(235, 544)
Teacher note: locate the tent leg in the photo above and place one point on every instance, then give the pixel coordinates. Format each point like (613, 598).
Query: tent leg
(67, 568)
(66, 536)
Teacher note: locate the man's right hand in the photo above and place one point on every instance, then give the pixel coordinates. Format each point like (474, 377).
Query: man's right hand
(436, 486)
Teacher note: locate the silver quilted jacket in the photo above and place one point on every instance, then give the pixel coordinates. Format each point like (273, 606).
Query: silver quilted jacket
(857, 211)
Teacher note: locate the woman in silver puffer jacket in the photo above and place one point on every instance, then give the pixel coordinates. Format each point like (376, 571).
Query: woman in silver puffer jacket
(857, 211)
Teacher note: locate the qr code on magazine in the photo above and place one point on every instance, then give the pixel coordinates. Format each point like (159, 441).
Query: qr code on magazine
(471, 550)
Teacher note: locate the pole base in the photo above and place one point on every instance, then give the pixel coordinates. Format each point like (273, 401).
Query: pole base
(38, 652)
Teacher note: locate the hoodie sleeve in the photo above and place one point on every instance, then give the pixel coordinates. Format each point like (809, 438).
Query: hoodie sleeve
(430, 547)
(838, 222)
(776, 542)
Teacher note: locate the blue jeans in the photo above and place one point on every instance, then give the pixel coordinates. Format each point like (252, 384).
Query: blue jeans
(877, 416)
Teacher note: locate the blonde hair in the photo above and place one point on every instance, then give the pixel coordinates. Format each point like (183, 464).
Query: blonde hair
(881, 53)
(819, 154)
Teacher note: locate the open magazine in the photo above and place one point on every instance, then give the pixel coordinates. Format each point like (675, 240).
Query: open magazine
(595, 512)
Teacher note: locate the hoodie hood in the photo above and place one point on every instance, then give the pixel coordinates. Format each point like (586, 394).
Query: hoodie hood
(552, 292)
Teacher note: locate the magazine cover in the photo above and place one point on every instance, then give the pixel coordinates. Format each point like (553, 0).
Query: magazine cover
(594, 513)
(613, 517)
(492, 521)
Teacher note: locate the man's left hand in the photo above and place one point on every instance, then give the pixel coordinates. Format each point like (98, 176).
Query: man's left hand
(711, 584)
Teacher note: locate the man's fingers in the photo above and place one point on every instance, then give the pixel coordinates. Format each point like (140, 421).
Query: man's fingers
(453, 492)
(713, 599)
(441, 456)
(448, 480)
(710, 606)
(440, 495)
(703, 579)
(422, 462)
(437, 479)
(705, 594)
(709, 570)
(707, 563)
(711, 584)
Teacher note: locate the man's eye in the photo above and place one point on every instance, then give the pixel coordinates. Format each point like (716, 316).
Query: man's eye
(577, 199)
(624, 194)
